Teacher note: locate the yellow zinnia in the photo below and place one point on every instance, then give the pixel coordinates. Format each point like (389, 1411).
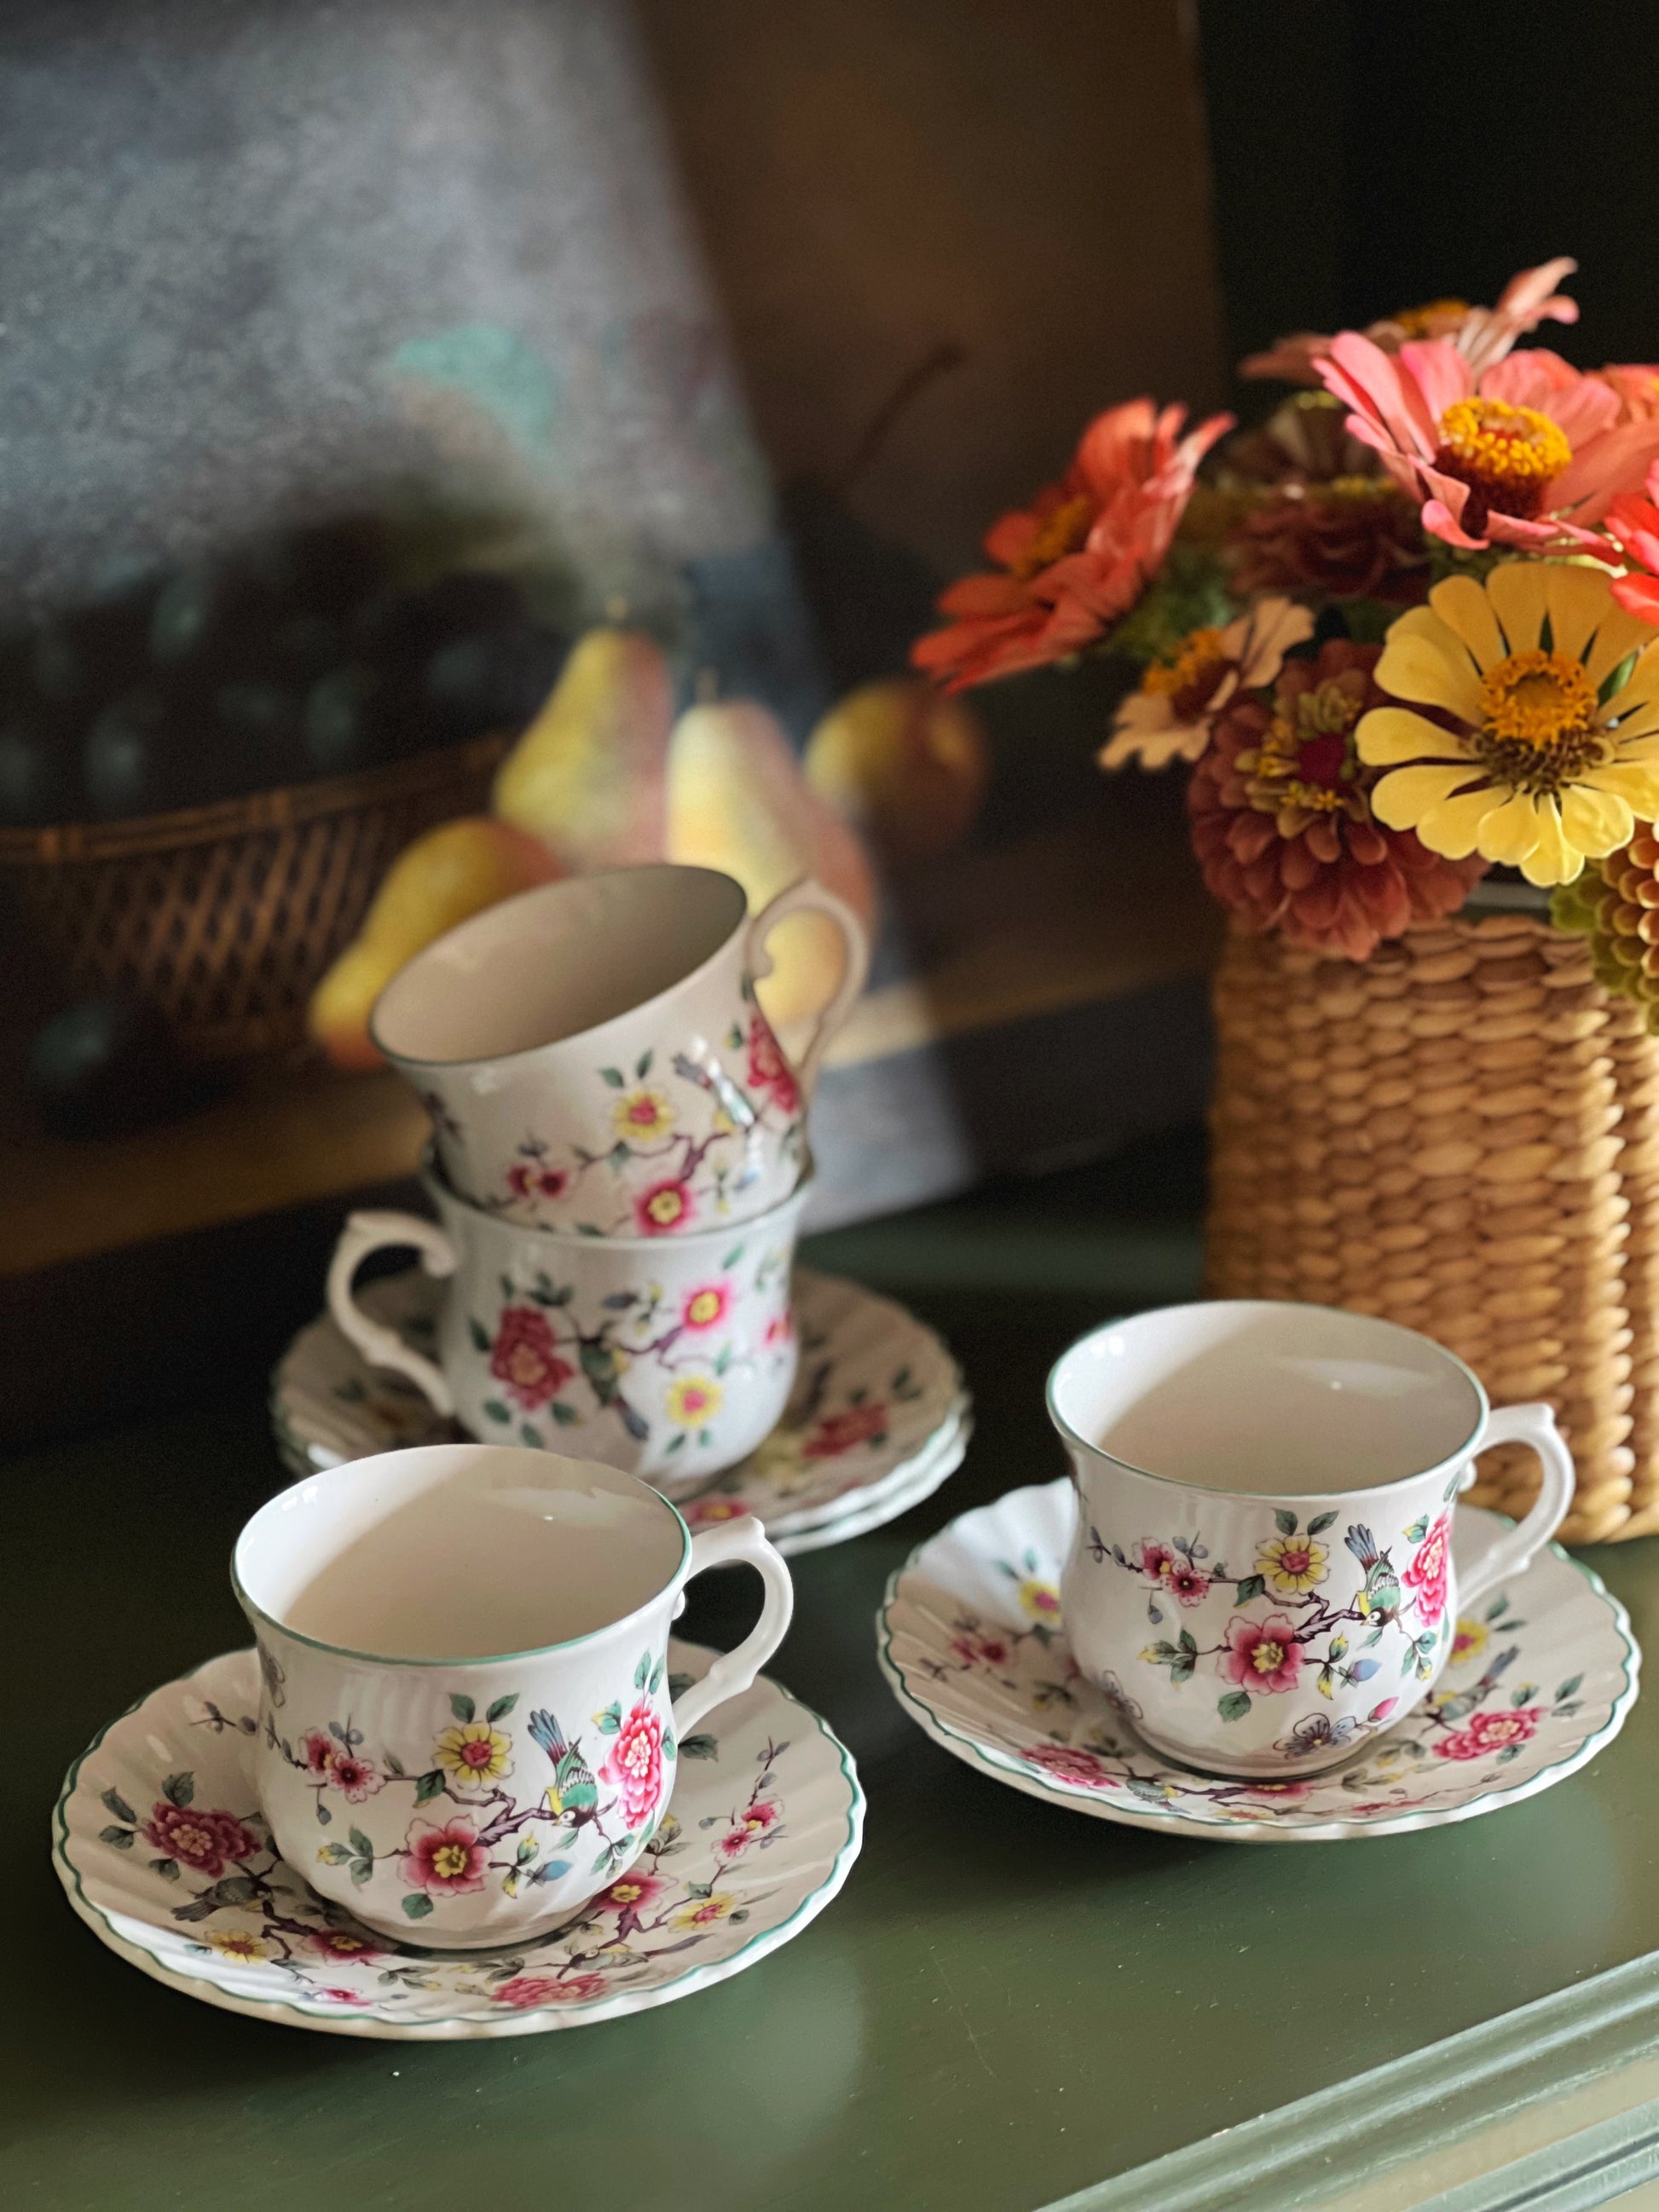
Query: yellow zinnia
(1551, 759)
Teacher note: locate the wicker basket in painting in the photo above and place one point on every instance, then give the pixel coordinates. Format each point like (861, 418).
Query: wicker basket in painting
(224, 917)
(1461, 1134)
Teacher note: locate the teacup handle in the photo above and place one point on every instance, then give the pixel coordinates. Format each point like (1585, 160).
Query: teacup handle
(810, 898)
(382, 1346)
(735, 1670)
(1513, 1551)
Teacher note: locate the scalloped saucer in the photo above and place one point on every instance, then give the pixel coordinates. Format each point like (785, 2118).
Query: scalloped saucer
(765, 1821)
(879, 1418)
(971, 1640)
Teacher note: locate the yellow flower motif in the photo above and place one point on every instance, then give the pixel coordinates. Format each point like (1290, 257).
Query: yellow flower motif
(1470, 1640)
(701, 1912)
(1040, 1600)
(473, 1754)
(694, 1399)
(643, 1116)
(236, 1943)
(1554, 750)
(1292, 1564)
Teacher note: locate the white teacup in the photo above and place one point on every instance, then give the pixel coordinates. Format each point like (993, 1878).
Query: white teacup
(670, 1358)
(593, 1057)
(466, 1725)
(1263, 1558)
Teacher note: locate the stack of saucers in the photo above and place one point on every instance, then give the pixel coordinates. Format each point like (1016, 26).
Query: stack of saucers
(618, 1170)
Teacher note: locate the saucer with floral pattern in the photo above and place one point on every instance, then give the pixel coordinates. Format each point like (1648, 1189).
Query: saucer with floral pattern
(878, 1418)
(159, 1845)
(971, 1638)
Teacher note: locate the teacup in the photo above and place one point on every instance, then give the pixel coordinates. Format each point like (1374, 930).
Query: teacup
(467, 1728)
(1262, 1574)
(672, 1359)
(593, 1057)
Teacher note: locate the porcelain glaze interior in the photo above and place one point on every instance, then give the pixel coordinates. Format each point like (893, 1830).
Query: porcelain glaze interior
(553, 963)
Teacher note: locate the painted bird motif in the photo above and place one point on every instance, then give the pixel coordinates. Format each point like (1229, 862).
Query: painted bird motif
(573, 1795)
(1380, 1597)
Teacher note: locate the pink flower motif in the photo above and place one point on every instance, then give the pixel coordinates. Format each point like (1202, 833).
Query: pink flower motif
(206, 1841)
(447, 1861)
(973, 1648)
(1529, 452)
(356, 1778)
(1430, 1566)
(1379, 1713)
(342, 1945)
(529, 1179)
(526, 1992)
(340, 1996)
(706, 1308)
(843, 1432)
(1075, 561)
(1277, 1791)
(1490, 1732)
(779, 1330)
(1262, 1656)
(1069, 1764)
(634, 1765)
(630, 1893)
(1482, 335)
(1157, 1560)
(1187, 1585)
(709, 1512)
(320, 1749)
(524, 1360)
(664, 1207)
(750, 1825)
(768, 1071)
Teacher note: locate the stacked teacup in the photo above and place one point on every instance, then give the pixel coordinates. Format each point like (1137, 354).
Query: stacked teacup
(618, 1168)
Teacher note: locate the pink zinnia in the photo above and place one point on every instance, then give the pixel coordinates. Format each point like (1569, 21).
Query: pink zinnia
(1079, 557)
(1633, 521)
(1261, 1656)
(1482, 335)
(1528, 453)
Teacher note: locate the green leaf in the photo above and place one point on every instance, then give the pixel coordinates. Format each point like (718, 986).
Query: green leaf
(462, 1707)
(1252, 1586)
(1285, 1521)
(678, 1685)
(335, 1854)
(642, 1672)
(1569, 1688)
(167, 1869)
(416, 1908)
(1324, 1683)
(564, 1416)
(530, 1435)
(121, 1838)
(478, 1333)
(668, 1743)
(360, 1844)
(501, 1707)
(114, 1802)
(610, 1721)
(179, 1789)
(642, 1066)
(656, 1676)
(1234, 1705)
(732, 1259)
(701, 1746)
(1188, 1641)
(526, 1850)
(614, 1076)
(361, 1871)
(429, 1786)
(1320, 1523)
(393, 1765)
(494, 1411)
(1339, 1648)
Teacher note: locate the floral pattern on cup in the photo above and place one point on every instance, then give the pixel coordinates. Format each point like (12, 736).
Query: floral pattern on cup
(683, 1149)
(969, 1641)
(1283, 1633)
(704, 1885)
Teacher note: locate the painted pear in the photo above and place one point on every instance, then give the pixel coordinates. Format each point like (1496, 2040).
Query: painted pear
(452, 872)
(586, 776)
(738, 801)
(903, 764)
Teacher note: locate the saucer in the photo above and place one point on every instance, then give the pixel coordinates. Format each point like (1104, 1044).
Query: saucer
(764, 1823)
(1542, 1675)
(878, 1410)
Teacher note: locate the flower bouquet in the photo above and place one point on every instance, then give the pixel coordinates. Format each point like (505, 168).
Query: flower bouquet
(1405, 637)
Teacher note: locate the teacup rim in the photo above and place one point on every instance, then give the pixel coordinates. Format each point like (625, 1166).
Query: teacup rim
(1070, 1435)
(259, 1617)
(582, 1036)
(433, 1180)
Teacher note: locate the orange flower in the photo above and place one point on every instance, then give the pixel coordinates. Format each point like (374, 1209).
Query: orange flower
(1481, 335)
(1633, 521)
(1079, 557)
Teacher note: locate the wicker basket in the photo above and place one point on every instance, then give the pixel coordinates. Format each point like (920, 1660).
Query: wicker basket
(1461, 1134)
(224, 917)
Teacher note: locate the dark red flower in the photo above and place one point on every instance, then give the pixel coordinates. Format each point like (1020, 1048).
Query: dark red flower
(768, 1071)
(204, 1841)
(525, 1360)
(839, 1433)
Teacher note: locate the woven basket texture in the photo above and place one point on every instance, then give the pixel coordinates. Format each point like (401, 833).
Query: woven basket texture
(223, 918)
(1461, 1134)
